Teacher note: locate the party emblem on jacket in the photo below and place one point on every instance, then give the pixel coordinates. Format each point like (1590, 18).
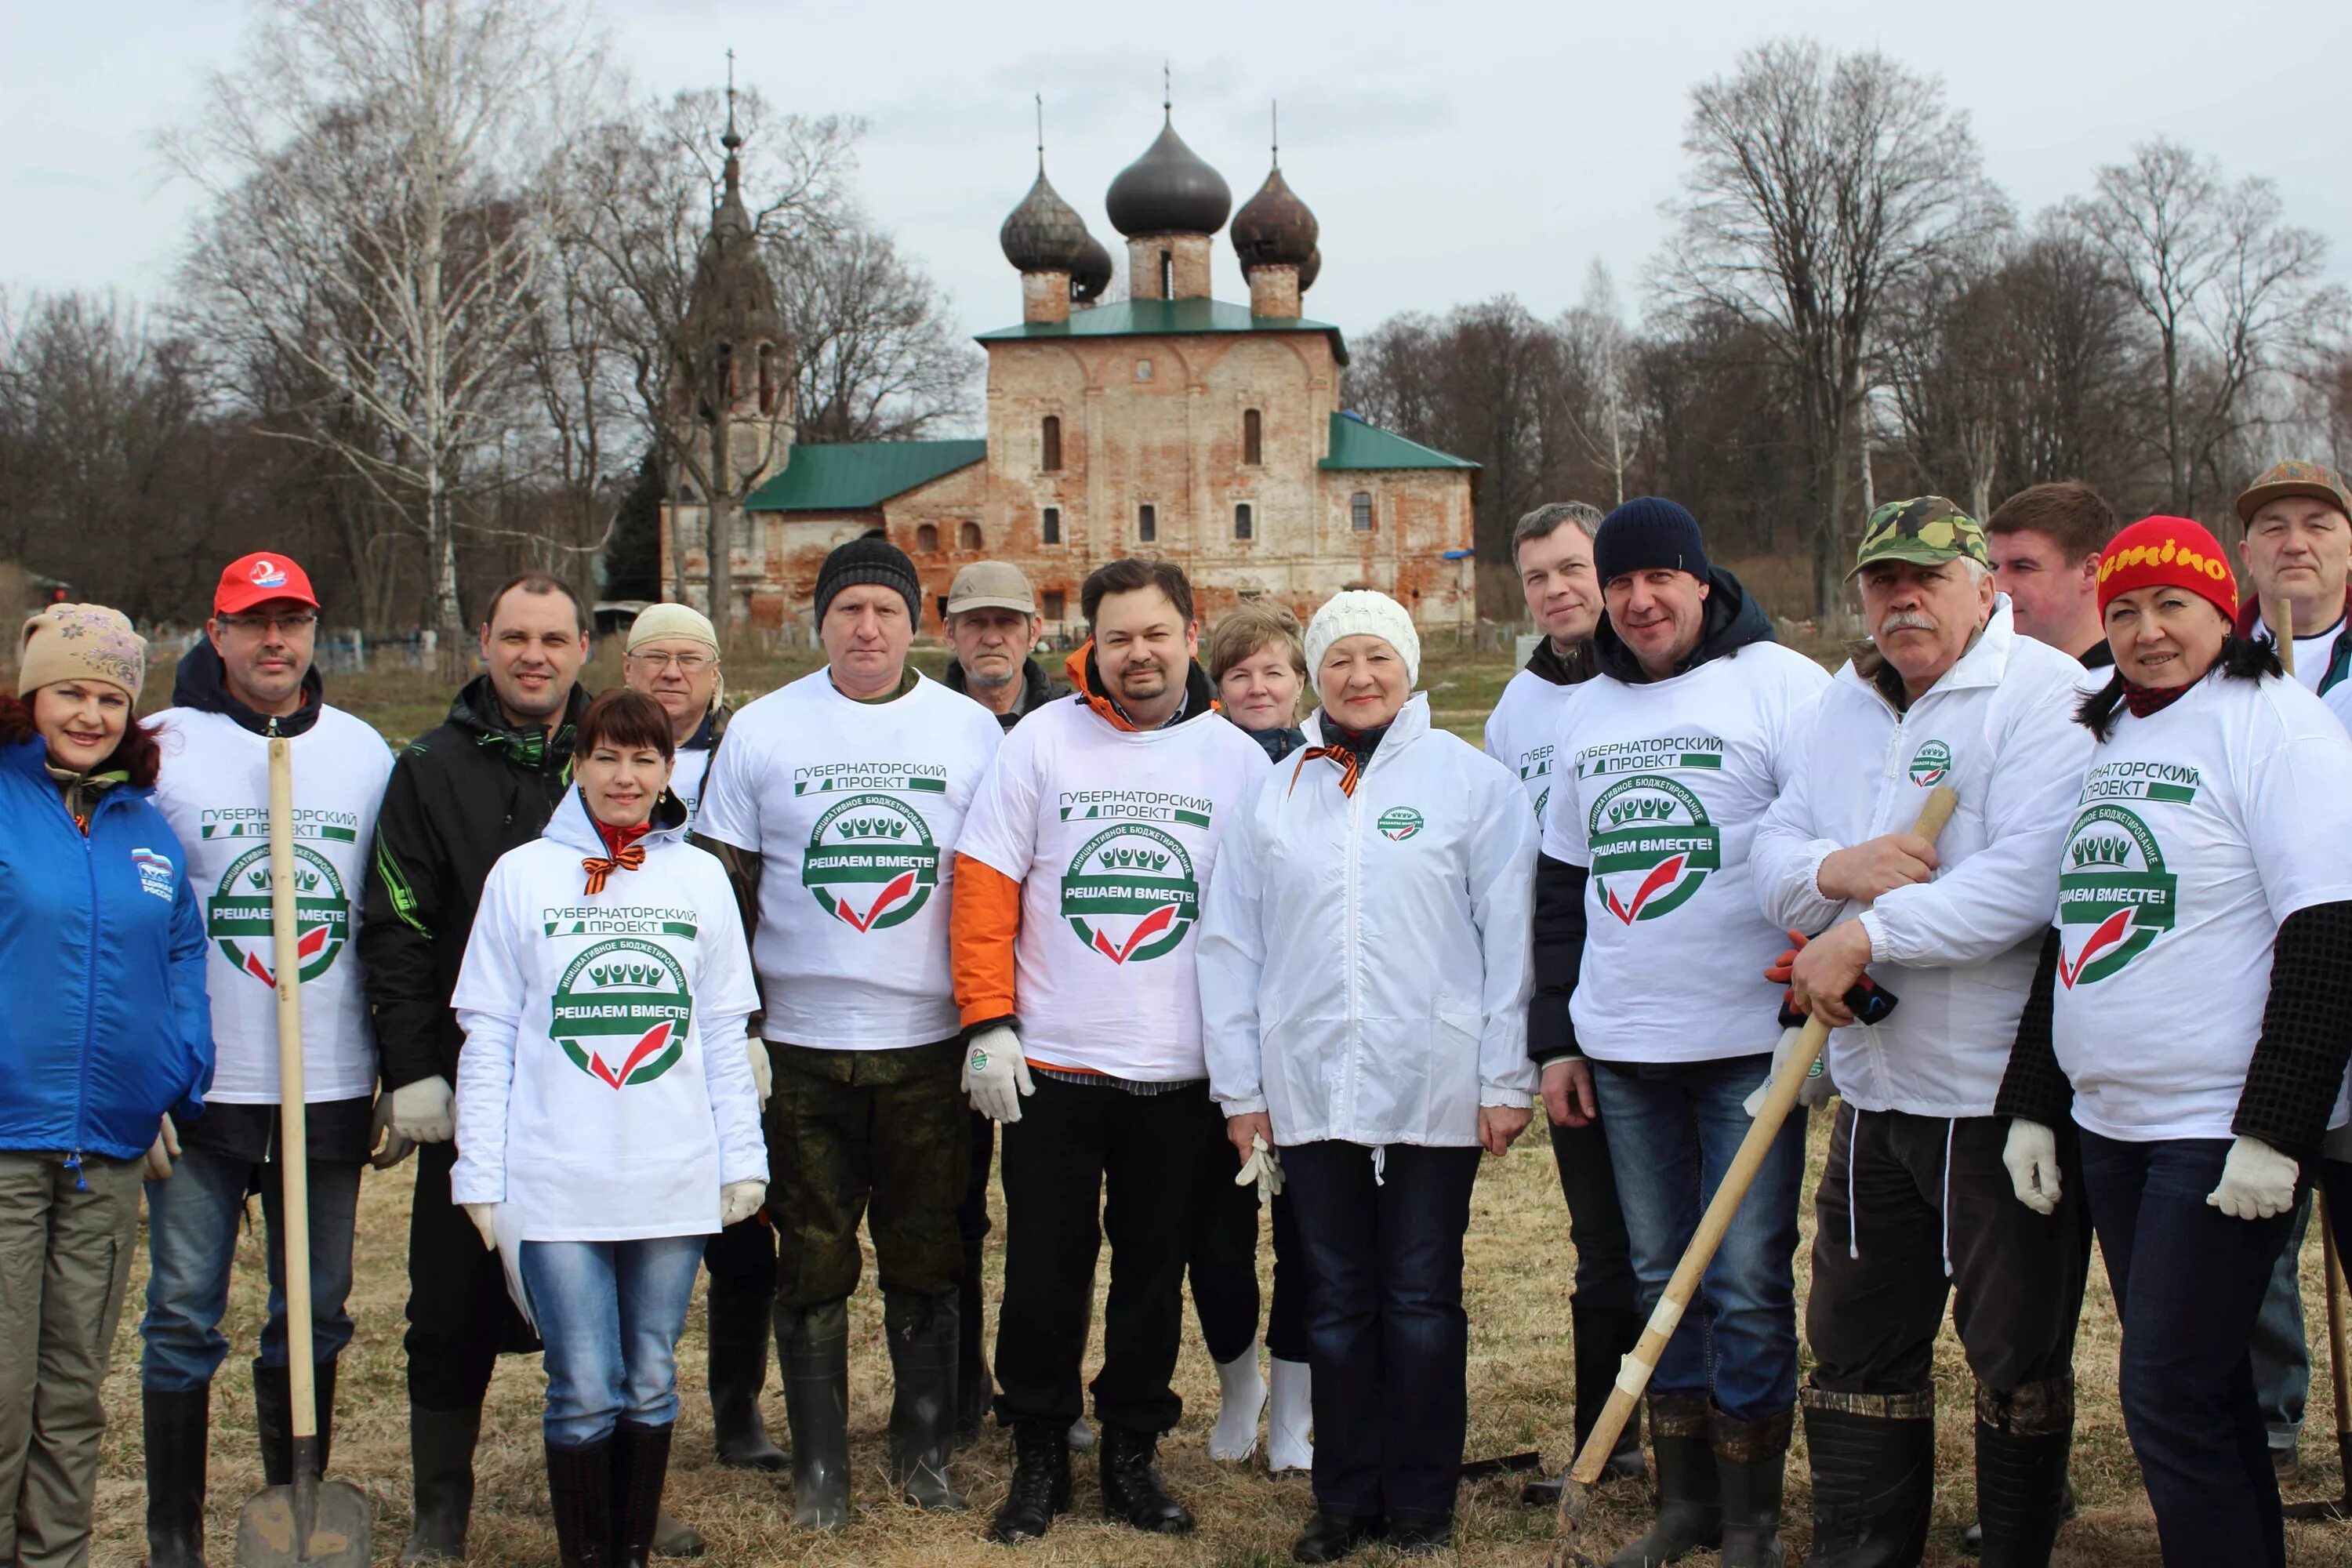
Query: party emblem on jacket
(1653, 847)
(237, 914)
(2112, 885)
(1129, 893)
(621, 1012)
(154, 872)
(1399, 823)
(1931, 764)
(870, 861)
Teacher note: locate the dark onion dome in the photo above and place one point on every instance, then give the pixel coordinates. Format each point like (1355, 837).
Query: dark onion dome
(1273, 228)
(1311, 269)
(1043, 234)
(1091, 276)
(1168, 190)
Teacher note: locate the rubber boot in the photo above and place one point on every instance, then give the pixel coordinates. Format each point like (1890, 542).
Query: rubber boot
(673, 1537)
(441, 1457)
(1041, 1482)
(740, 1324)
(273, 1418)
(814, 1343)
(177, 1426)
(1602, 1340)
(2023, 1442)
(580, 1488)
(1131, 1488)
(922, 1335)
(640, 1461)
(1690, 1499)
(1290, 1417)
(1751, 1460)
(1873, 1461)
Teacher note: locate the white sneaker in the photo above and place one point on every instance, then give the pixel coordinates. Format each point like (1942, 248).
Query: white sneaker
(1290, 1429)
(1082, 1437)
(1241, 1398)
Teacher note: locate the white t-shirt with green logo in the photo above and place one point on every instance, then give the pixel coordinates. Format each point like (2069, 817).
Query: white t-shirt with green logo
(1658, 789)
(2314, 651)
(855, 810)
(1112, 834)
(688, 776)
(214, 789)
(1523, 734)
(2200, 829)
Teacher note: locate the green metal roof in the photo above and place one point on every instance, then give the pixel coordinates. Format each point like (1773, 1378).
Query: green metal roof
(858, 476)
(1356, 445)
(1160, 318)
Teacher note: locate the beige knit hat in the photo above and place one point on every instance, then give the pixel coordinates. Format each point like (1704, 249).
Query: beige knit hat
(81, 642)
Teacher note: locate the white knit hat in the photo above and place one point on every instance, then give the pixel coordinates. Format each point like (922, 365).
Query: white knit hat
(1362, 610)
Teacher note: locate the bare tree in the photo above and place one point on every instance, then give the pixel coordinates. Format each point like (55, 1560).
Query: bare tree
(877, 355)
(1596, 334)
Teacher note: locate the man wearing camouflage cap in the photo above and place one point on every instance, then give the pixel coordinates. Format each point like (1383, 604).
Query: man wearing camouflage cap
(1915, 1206)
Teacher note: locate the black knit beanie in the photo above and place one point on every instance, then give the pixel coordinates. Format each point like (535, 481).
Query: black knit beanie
(1648, 533)
(869, 559)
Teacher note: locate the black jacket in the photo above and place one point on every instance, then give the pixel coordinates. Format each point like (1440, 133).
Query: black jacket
(1037, 689)
(460, 796)
(201, 683)
(1732, 620)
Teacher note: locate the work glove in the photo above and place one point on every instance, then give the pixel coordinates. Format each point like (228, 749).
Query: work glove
(996, 1074)
(386, 1147)
(739, 1201)
(763, 1072)
(422, 1112)
(1265, 1167)
(2031, 1156)
(163, 1152)
(485, 1220)
(1817, 1089)
(2257, 1182)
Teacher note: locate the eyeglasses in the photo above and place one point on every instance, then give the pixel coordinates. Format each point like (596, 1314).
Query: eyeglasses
(688, 664)
(289, 620)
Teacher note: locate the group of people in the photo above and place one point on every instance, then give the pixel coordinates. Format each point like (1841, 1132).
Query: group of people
(649, 986)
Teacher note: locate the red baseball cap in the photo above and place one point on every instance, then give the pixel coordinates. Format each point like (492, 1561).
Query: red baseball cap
(257, 579)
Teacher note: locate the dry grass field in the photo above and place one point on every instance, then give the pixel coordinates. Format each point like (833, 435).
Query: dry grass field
(1518, 1273)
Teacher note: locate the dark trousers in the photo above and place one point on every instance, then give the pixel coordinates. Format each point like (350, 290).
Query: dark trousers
(1085, 1162)
(741, 1260)
(971, 1226)
(1386, 1333)
(1223, 1263)
(459, 1316)
(2188, 1281)
(1596, 1220)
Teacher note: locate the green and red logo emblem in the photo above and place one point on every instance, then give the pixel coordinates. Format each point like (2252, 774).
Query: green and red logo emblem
(237, 914)
(621, 1011)
(1653, 847)
(1931, 764)
(1400, 822)
(1129, 893)
(2112, 893)
(870, 862)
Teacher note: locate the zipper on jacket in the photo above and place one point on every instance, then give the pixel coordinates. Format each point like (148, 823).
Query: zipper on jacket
(90, 1004)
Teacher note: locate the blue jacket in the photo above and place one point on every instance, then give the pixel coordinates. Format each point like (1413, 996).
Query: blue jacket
(105, 1026)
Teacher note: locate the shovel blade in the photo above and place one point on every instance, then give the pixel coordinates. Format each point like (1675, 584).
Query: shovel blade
(339, 1537)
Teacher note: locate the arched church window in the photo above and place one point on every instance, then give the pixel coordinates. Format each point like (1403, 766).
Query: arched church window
(927, 536)
(968, 536)
(1253, 446)
(1360, 512)
(1049, 444)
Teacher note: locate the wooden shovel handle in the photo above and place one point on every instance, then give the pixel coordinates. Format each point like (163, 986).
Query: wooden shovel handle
(293, 1143)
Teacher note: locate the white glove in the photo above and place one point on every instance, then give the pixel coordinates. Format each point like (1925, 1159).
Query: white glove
(485, 1220)
(2031, 1156)
(763, 1072)
(163, 1152)
(739, 1201)
(421, 1111)
(1817, 1089)
(386, 1147)
(1265, 1167)
(2257, 1182)
(996, 1074)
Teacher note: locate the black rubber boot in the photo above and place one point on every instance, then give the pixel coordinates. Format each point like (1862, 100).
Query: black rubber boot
(1041, 1482)
(441, 1457)
(640, 1464)
(814, 1343)
(177, 1425)
(1972, 1538)
(1333, 1536)
(579, 1487)
(273, 1419)
(922, 1335)
(740, 1324)
(1690, 1498)
(1873, 1460)
(2023, 1441)
(1751, 1460)
(1131, 1488)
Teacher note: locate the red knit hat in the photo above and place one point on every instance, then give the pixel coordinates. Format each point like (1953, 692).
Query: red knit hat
(2169, 552)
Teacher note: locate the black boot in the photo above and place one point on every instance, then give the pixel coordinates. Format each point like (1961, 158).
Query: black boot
(2022, 1445)
(579, 1487)
(975, 1385)
(740, 1324)
(176, 1427)
(1690, 1499)
(273, 1418)
(441, 1457)
(922, 1335)
(1041, 1482)
(814, 1343)
(1131, 1490)
(640, 1460)
(1873, 1460)
(1751, 1458)
(1602, 1337)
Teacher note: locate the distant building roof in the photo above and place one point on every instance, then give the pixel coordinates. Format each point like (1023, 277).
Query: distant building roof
(1163, 318)
(861, 475)
(1356, 445)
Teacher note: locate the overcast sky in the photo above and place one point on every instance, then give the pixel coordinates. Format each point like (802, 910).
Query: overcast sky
(1452, 151)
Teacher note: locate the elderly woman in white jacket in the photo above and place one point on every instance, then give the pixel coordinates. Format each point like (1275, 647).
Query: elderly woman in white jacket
(1364, 978)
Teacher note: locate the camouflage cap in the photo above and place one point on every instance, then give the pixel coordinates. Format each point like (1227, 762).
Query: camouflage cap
(1926, 530)
(2294, 478)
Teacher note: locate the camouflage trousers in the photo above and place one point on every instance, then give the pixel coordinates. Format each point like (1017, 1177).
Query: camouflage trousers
(879, 1135)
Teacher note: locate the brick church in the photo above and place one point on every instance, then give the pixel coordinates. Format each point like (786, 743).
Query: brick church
(1169, 423)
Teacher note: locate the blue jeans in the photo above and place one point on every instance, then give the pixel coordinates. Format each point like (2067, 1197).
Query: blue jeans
(610, 1313)
(192, 1220)
(2188, 1283)
(1673, 1130)
(2281, 1355)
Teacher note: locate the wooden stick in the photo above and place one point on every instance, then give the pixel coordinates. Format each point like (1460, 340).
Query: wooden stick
(293, 1143)
(2284, 627)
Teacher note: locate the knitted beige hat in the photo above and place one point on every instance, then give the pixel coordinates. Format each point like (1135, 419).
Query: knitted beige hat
(669, 619)
(81, 642)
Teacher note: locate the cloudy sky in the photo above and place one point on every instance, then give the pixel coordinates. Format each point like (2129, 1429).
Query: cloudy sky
(1453, 151)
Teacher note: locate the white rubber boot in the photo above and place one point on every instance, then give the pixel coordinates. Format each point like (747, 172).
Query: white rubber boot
(1289, 1430)
(1241, 1398)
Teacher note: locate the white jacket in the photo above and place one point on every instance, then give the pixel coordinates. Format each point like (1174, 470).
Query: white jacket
(586, 1097)
(1364, 963)
(1957, 951)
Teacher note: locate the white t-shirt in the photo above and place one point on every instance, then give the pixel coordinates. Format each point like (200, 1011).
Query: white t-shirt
(855, 810)
(1523, 732)
(1658, 791)
(214, 789)
(2312, 654)
(1113, 836)
(686, 778)
(2200, 829)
